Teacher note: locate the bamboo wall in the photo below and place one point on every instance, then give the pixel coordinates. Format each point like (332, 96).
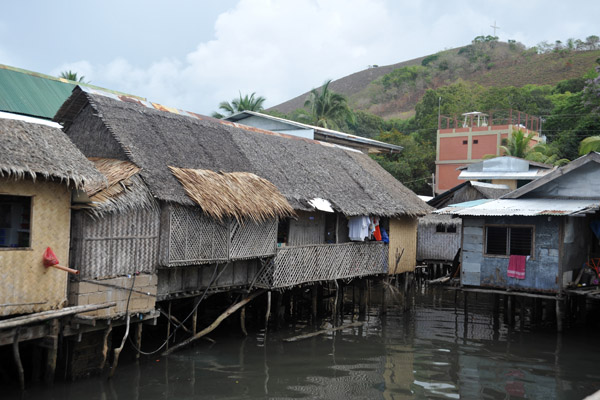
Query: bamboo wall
(403, 244)
(26, 286)
(437, 246)
(309, 228)
(116, 244)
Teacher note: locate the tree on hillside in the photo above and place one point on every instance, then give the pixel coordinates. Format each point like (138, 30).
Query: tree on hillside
(245, 103)
(326, 109)
(72, 76)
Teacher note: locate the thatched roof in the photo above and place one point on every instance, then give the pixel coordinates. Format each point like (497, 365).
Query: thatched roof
(36, 150)
(438, 219)
(124, 189)
(301, 169)
(234, 194)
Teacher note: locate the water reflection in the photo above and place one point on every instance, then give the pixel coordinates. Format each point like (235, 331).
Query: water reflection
(435, 349)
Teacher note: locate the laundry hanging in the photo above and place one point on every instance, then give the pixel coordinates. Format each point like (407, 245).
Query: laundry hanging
(358, 228)
(516, 267)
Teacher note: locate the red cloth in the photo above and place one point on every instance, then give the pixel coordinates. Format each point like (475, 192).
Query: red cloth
(377, 233)
(516, 267)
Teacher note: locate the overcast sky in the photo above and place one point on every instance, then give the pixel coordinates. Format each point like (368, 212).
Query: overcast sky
(194, 54)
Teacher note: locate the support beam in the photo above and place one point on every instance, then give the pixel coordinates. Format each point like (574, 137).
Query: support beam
(18, 363)
(52, 352)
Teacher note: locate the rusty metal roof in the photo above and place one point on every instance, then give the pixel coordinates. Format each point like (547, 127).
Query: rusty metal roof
(522, 207)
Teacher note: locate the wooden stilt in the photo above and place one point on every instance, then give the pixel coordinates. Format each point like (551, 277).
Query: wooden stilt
(384, 284)
(242, 321)
(138, 339)
(195, 316)
(280, 309)
(510, 311)
(334, 311)
(105, 346)
(268, 313)
(362, 294)
(314, 304)
(118, 350)
(168, 325)
(17, 358)
(522, 309)
(559, 316)
(52, 352)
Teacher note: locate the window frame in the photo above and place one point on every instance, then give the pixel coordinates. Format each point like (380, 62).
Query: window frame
(31, 201)
(508, 236)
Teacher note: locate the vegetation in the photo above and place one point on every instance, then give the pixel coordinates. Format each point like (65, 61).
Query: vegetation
(72, 76)
(245, 103)
(569, 108)
(326, 109)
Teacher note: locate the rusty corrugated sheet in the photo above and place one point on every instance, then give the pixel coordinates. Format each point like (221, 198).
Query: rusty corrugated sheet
(523, 207)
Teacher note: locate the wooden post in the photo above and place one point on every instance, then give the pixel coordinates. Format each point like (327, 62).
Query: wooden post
(268, 313)
(169, 326)
(362, 294)
(280, 309)
(334, 311)
(52, 352)
(242, 321)
(138, 339)
(315, 302)
(17, 358)
(195, 315)
(105, 346)
(510, 310)
(522, 309)
(383, 302)
(559, 316)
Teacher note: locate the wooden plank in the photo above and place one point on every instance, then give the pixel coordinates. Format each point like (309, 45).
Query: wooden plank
(505, 292)
(47, 315)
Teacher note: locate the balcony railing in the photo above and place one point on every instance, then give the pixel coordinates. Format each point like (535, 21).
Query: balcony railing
(325, 262)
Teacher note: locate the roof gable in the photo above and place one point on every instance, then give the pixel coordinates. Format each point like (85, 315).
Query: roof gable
(580, 179)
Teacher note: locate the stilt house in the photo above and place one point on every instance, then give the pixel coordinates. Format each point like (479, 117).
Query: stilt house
(240, 206)
(439, 236)
(39, 169)
(538, 237)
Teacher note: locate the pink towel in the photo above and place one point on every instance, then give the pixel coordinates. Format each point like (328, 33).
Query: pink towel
(516, 267)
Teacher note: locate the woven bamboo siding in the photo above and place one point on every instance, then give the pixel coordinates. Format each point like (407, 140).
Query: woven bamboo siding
(26, 286)
(303, 264)
(437, 246)
(403, 237)
(251, 239)
(309, 228)
(195, 238)
(115, 245)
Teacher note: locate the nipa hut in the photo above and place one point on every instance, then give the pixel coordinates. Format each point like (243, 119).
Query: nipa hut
(439, 236)
(39, 169)
(242, 207)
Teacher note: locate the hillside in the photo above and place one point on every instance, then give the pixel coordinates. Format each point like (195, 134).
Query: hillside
(392, 91)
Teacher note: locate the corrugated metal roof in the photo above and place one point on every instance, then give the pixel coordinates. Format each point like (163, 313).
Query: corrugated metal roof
(31, 93)
(531, 174)
(522, 207)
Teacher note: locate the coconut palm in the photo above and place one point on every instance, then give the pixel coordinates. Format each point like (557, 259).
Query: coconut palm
(72, 76)
(588, 144)
(546, 154)
(326, 108)
(517, 145)
(245, 103)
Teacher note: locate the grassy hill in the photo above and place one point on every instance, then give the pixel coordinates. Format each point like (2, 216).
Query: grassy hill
(392, 91)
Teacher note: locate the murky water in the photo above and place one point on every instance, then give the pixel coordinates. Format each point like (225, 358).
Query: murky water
(430, 351)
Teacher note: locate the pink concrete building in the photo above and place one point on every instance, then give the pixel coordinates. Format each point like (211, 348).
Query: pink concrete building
(466, 139)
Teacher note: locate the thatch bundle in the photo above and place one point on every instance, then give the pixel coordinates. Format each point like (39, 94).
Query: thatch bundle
(124, 189)
(300, 169)
(437, 219)
(36, 150)
(235, 194)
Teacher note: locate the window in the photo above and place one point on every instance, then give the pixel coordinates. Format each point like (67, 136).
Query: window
(509, 240)
(441, 228)
(465, 141)
(475, 141)
(15, 217)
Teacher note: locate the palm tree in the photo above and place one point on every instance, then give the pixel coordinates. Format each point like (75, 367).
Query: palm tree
(72, 76)
(326, 108)
(248, 102)
(546, 154)
(517, 145)
(588, 144)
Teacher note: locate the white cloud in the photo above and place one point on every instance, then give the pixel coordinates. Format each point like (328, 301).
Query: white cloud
(280, 49)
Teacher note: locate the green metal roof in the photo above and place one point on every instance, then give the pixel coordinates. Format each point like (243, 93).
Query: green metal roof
(31, 93)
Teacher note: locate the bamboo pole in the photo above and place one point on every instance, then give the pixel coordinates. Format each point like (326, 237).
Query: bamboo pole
(17, 357)
(233, 308)
(138, 339)
(242, 321)
(119, 349)
(52, 314)
(52, 353)
(317, 333)
(105, 346)
(268, 313)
